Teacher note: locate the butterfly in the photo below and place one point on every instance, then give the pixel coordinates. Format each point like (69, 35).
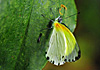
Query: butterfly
(63, 46)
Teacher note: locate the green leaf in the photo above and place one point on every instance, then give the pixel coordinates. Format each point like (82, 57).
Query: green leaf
(20, 25)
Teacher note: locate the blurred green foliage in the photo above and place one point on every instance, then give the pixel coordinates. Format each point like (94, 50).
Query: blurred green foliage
(20, 25)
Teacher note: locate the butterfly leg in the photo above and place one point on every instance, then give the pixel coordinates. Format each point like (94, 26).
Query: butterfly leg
(38, 40)
(40, 35)
(49, 26)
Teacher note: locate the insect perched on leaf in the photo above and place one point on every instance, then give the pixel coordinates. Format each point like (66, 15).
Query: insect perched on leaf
(62, 43)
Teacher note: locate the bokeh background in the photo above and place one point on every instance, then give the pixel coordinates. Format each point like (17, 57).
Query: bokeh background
(88, 36)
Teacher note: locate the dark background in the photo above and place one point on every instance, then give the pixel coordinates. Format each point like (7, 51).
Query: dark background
(88, 36)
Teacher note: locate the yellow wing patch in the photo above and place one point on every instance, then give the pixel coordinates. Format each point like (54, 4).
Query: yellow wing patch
(61, 27)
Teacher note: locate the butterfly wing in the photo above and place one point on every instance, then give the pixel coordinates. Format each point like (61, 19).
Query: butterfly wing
(72, 49)
(62, 45)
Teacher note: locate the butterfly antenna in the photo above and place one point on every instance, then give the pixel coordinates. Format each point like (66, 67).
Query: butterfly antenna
(72, 15)
(47, 18)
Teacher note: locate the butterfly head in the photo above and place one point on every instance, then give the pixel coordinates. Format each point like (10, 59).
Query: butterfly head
(59, 19)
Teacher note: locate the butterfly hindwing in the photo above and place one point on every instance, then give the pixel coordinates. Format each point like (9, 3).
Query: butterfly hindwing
(74, 55)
